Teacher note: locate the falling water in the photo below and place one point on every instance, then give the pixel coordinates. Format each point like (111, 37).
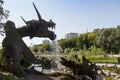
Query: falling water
(56, 53)
(55, 57)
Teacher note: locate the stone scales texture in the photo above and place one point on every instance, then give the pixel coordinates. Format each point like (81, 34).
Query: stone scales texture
(16, 55)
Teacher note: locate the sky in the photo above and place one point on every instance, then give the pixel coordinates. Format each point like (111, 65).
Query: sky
(77, 16)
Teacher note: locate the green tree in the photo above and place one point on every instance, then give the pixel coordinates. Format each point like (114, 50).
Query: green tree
(35, 49)
(3, 15)
(85, 40)
(3, 12)
(116, 40)
(79, 42)
(103, 39)
(68, 43)
(91, 39)
(109, 39)
(44, 47)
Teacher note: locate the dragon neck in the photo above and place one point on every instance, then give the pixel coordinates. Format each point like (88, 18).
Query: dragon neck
(24, 31)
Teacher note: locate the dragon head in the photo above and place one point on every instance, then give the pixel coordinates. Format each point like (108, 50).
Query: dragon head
(40, 28)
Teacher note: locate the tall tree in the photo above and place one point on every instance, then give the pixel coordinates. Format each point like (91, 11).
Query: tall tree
(68, 43)
(3, 12)
(109, 39)
(3, 15)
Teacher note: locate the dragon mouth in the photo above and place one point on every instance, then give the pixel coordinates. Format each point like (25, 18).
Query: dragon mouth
(52, 35)
(51, 27)
(47, 33)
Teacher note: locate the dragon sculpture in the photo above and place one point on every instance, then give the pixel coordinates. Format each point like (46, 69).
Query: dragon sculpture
(15, 50)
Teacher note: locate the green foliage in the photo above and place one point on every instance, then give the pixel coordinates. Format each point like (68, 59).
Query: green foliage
(1, 8)
(3, 15)
(41, 48)
(3, 12)
(35, 49)
(91, 38)
(101, 59)
(109, 39)
(106, 40)
(83, 41)
(109, 78)
(75, 56)
(45, 47)
(118, 70)
(93, 50)
(68, 43)
(113, 69)
(94, 55)
(67, 50)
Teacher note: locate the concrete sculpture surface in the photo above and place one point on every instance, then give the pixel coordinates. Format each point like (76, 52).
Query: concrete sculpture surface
(16, 55)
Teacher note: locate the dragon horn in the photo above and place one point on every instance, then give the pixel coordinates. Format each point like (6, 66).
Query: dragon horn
(23, 19)
(37, 12)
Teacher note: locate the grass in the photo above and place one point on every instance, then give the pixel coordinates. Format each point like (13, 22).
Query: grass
(97, 58)
(113, 69)
(101, 59)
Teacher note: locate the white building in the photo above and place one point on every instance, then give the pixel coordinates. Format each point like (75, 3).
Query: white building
(45, 41)
(71, 35)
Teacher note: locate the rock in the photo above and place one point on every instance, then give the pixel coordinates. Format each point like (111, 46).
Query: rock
(85, 68)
